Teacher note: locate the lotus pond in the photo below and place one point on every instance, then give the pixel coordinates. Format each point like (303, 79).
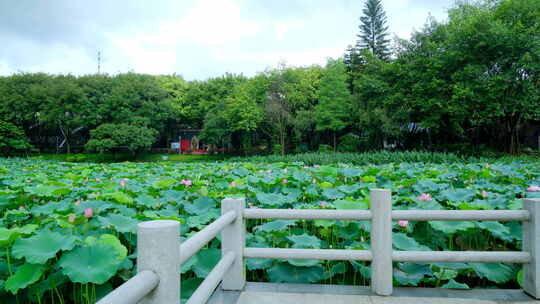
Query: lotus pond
(68, 231)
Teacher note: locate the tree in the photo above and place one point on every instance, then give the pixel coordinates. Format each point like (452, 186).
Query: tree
(12, 139)
(495, 49)
(373, 30)
(66, 108)
(114, 137)
(278, 109)
(333, 111)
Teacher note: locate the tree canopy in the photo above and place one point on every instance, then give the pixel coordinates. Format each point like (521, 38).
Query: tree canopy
(471, 81)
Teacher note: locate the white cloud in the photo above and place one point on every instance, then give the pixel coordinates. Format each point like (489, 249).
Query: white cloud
(196, 38)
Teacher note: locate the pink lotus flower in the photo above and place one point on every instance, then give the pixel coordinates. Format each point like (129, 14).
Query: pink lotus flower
(403, 223)
(71, 218)
(88, 212)
(484, 194)
(232, 184)
(186, 182)
(425, 197)
(533, 188)
(98, 180)
(285, 181)
(323, 204)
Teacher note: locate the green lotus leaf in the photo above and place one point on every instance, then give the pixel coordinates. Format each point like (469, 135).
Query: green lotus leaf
(364, 270)
(497, 229)
(273, 226)
(120, 222)
(351, 205)
(428, 186)
(451, 227)
(110, 240)
(272, 199)
(61, 191)
(498, 273)
(53, 281)
(26, 229)
(188, 265)
(519, 277)
(97, 206)
(200, 206)
(403, 242)
(332, 194)
(90, 264)
(446, 274)
(24, 276)
(8, 236)
(326, 185)
(304, 241)
(206, 260)
(455, 197)
(338, 268)
(164, 183)
(411, 274)
(283, 272)
(188, 287)
(455, 285)
(147, 200)
(43, 246)
(121, 197)
(256, 264)
(41, 190)
(349, 189)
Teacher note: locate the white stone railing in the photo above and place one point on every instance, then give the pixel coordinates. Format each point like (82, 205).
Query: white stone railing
(159, 260)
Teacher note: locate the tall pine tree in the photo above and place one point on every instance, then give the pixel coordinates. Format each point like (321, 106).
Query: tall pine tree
(373, 30)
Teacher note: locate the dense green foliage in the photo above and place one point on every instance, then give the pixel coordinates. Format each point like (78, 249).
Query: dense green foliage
(366, 158)
(334, 108)
(59, 220)
(112, 137)
(12, 139)
(468, 84)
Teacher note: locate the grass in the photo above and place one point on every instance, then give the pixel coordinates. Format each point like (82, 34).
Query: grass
(120, 157)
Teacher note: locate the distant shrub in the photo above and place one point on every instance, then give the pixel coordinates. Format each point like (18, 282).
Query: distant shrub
(349, 143)
(276, 149)
(325, 148)
(114, 137)
(12, 139)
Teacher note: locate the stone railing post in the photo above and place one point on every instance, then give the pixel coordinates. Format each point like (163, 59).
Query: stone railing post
(158, 250)
(381, 241)
(531, 243)
(233, 239)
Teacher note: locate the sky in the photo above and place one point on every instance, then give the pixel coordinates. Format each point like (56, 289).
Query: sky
(197, 39)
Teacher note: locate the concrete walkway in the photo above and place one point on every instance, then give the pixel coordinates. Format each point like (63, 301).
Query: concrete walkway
(269, 293)
(306, 298)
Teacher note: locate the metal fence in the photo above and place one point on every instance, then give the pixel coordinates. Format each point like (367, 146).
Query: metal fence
(160, 255)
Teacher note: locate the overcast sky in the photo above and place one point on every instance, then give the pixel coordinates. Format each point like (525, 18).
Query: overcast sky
(194, 38)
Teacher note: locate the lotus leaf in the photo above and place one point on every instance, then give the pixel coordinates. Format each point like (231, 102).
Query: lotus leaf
(42, 246)
(120, 222)
(24, 276)
(291, 274)
(90, 264)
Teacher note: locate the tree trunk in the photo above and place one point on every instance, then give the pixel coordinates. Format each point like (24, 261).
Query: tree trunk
(334, 141)
(282, 141)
